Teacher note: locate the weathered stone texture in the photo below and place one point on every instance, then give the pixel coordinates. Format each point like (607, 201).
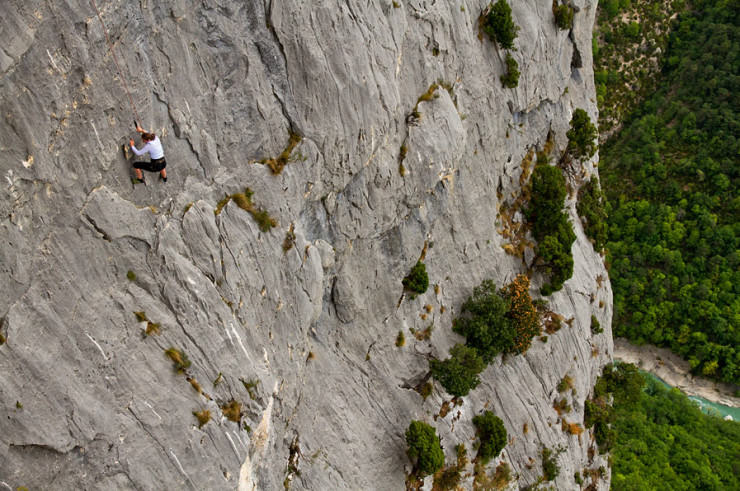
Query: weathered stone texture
(303, 338)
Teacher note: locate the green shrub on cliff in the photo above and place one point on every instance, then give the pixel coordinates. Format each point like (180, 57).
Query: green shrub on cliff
(511, 78)
(424, 448)
(417, 280)
(582, 135)
(483, 322)
(550, 226)
(458, 374)
(499, 25)
(492, 434)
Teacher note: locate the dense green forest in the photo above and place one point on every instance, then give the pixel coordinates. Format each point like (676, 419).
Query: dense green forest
(629, 40)
(661, 440)
(671, 176)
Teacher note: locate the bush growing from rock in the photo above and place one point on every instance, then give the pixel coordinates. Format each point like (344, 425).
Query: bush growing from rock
(550, 469)
(458, 374)
(564, 16)
(492, 435)
(424, 448)
(179, 359)
(595, 326)
(417, 280)
(550, 226)
(593, 209)
(582, 135)
(522, 314)
(511, 78)
(499, 25)
(483, 322)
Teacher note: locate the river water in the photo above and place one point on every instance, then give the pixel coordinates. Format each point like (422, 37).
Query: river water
(706, 406)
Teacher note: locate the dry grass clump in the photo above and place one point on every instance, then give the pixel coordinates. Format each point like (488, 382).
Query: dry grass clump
(561, 406)
(565, 384)
(179, 359)
(289, 241)
(429, 94)
(423, 335)
(232, 411)
(277, 164)
(203, 417)
(151, 328)
(571, 428)
(244, 201)
(195, 385)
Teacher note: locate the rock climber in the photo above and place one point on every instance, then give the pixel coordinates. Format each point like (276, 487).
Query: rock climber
(153, 147)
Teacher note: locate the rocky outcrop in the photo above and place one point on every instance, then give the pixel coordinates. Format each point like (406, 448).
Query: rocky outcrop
(297, 323)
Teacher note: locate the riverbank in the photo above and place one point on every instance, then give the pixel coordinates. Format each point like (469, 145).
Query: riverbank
(675, 372)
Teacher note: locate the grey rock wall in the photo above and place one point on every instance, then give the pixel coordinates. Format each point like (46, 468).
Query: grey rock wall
(303, 338)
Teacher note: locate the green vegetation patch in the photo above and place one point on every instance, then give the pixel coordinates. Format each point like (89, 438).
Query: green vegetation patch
(550, 468)
(629, 45)
(511, 78)
(596, 326)
(244, 201)
(493, 322)
(417, 280)
(593, 210)
(483, 322)
(424, 448)
(563, 15)
(582, 135)
(672, 179)
(448, 478)
(497, 22)
(550, 226)
(663, 441)
(492, 435)
(458, 374)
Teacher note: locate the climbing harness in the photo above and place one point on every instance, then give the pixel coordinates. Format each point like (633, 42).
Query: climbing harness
(115, 60)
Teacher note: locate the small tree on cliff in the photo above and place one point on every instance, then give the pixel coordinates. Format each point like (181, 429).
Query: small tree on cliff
(581, 135)
(492, 435)
(499, 25)
(424, 448)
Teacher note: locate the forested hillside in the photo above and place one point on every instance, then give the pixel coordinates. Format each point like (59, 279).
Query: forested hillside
(672, 180)
(660, 439)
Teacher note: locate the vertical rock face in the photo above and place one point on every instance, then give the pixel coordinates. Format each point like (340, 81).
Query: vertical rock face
(297, 324)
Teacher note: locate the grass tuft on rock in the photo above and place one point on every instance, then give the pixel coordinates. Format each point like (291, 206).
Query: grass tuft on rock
(151, 328)
(244, 201)
(203, 417)
(232, 411)
(179, 359)
(278, 163)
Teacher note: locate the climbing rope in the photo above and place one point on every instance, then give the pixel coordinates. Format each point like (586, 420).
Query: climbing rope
(115, 60)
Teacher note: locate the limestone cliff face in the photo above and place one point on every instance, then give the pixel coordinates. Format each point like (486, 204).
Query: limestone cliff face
(303, 338)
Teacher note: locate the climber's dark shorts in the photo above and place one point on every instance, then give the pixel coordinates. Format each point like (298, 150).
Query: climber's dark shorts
(155, 165)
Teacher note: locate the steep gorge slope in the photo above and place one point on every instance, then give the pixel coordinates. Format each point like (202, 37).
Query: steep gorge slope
(304, 338)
